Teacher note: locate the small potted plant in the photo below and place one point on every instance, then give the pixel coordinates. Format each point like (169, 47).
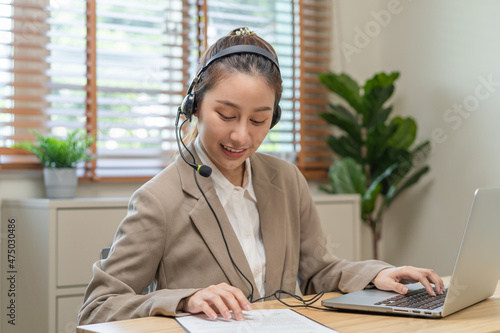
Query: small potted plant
(59, 158)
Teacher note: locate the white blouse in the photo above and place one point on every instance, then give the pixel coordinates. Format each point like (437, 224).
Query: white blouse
(240, 205)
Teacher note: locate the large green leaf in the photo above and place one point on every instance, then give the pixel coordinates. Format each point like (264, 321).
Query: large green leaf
(422, 150)
(377, 141)
(380, 80)
(405, 133)
(347, 124)
(403, 161)
(342, 111)
(395, 190)
(344, 86)
(377, 91)
(396, 136)
(347, 176)
(380, 117)
(344, 146)
(369, 199)
(376, 187)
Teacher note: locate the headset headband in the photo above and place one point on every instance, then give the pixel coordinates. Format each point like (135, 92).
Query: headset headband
(234, 50)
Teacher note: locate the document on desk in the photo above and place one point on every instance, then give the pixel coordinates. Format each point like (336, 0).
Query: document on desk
(262, 321)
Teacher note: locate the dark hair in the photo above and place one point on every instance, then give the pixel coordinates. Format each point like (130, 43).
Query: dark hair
(246, 63)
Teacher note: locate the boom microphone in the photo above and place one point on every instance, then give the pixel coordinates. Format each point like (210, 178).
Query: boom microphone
(203, 170)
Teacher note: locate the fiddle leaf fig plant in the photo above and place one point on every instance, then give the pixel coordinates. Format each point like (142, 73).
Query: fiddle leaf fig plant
(377, 158)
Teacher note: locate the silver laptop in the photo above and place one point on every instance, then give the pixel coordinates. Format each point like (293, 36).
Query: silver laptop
(475, 276)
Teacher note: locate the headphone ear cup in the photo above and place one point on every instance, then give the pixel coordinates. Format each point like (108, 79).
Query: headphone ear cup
(187, 106)
(276, 116)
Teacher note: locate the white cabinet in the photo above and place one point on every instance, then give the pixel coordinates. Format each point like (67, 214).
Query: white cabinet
(52, 244)
(341, 221)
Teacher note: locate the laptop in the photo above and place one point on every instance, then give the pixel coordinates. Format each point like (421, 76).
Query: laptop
(475, 275)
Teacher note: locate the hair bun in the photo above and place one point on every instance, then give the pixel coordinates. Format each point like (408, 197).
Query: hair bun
(243, 31)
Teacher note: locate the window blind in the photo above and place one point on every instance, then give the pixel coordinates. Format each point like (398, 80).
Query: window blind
(142, 68)
(120, 69)
(117, 68)
(67, 67)
(23, 79)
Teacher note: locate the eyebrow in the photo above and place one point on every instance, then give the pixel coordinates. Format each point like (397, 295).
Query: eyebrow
(231, 104)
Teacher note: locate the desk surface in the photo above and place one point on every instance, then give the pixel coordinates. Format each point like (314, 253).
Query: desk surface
(482, 317)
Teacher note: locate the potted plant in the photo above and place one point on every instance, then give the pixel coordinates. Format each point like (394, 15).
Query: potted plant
(377, 159)
(59, 158)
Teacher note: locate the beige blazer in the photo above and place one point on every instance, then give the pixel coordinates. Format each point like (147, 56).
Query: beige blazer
(170, 235)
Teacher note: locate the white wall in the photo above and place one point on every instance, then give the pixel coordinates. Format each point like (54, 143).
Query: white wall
(446, 51)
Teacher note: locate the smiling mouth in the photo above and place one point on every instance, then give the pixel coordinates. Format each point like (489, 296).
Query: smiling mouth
(232, 150)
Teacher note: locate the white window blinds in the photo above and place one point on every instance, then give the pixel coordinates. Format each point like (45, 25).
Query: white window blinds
(142, 68)
(23, 78)
(120, 69)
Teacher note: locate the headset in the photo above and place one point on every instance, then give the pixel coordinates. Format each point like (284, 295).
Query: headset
(188, 106)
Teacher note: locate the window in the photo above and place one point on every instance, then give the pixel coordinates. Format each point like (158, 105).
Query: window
(120, 69)
(23, 81)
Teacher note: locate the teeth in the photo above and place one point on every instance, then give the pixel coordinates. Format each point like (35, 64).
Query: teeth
(233, 150)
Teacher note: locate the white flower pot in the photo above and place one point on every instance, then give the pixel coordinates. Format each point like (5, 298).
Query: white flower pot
(60, 182)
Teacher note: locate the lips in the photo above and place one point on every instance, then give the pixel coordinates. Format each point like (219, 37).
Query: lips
(232, 152)
(232, 149)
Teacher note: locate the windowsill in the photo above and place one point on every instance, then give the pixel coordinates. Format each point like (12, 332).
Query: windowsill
(21, 174)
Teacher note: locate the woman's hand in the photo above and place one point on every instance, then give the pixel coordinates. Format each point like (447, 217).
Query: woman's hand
(394, 279)
(221, 298)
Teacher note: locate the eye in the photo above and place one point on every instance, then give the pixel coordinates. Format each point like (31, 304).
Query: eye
(225, 118)
(255, 122)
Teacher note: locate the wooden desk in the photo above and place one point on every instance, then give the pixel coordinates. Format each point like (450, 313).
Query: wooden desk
(482, 317)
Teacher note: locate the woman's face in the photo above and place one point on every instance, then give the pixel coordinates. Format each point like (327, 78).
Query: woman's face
(233, 120)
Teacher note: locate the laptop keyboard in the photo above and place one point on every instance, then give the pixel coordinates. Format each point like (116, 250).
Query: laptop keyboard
(417, 299)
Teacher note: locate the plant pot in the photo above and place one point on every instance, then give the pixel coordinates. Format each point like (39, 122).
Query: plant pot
(60, 183)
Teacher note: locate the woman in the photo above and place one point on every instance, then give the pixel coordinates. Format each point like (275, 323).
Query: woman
(264, 234)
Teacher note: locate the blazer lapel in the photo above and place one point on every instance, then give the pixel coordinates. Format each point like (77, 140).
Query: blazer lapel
(206, 224)
(271, 205)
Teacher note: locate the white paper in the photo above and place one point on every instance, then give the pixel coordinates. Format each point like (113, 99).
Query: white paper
(262, 321)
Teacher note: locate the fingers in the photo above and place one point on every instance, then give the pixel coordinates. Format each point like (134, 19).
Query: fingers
(388, 279)
(395, 278)
(221, 298)
(426, 277)
(400, 288)
(428, 286)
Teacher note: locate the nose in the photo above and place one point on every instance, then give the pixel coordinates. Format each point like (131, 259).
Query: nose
(239, 134)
